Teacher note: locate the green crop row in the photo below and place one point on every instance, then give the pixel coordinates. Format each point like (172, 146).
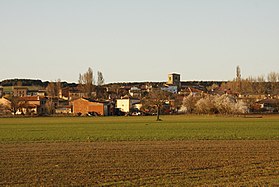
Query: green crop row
(138, 128)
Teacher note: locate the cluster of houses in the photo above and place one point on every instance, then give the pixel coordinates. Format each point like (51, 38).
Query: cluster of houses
(22, 100)
(115, 99)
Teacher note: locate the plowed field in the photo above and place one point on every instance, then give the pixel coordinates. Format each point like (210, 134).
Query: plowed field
(141, 163)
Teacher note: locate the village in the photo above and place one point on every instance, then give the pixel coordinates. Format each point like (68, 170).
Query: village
(115, 99)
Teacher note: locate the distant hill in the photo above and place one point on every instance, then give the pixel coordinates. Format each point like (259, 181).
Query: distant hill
(31, 82)
(39, 83)
(23, 82)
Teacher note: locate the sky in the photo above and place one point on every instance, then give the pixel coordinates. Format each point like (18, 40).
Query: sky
(138, 40)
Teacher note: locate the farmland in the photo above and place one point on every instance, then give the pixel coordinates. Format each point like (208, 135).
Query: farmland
(138, 151)
(138, 128)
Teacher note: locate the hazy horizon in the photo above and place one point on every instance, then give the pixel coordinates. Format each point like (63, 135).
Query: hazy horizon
(137, 41)
(112, 81)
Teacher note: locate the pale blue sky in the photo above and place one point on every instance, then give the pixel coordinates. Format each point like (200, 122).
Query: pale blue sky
(138, 40)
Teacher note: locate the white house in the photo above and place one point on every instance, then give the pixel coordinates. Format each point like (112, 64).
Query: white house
(171, 89)
(126, 103)
(135, 92)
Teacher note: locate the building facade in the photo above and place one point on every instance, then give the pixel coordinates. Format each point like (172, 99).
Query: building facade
(174, 80)
(20, 91)
(84, 106)
(125, 104)
(32, 105)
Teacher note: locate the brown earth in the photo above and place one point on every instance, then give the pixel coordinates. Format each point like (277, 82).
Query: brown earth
(143, 163)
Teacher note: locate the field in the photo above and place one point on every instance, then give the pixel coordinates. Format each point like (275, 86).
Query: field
(138, 151)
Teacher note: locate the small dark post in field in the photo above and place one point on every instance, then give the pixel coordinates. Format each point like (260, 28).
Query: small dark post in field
(158, 113)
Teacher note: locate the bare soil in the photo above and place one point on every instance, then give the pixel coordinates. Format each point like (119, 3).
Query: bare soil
(142, 163)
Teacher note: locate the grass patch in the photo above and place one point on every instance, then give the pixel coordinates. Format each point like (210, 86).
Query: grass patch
(46, 129)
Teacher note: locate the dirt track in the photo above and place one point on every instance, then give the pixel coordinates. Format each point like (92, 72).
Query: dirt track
(167, 163)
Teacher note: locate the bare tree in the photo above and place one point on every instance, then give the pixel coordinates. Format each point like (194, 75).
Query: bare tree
(156, 98)
(15, 103)
(261, 84)
(232, 86)
(238, 73)
(50, 106)
(273, 79)
(58, 88)
(53, 92)
(238, 79)
(50, 89)
(247, 85)
(101, 79)
(54, 88)
(100, 83)
(86, 82)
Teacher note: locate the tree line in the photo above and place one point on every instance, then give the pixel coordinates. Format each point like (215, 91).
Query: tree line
(255, 85)
(235, 97)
